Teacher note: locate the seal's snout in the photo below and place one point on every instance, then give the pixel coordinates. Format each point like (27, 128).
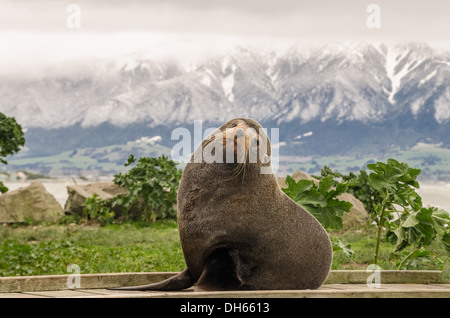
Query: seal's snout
(235, 137)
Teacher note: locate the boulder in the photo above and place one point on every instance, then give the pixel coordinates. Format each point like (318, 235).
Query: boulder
(356, 217)
(79, 193)
(297, 175)
(30, 203)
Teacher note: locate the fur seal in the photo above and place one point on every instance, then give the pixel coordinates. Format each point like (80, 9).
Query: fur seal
(238, 230)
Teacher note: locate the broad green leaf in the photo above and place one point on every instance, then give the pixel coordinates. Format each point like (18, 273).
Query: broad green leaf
(425, 216)
(401, 241)
(391, 236)
(417, 229)
(404, 196)
(426, 225)
(378, 167)
(313, 198)
(410, 221)
(319, 200)
(304, 185)
(377, 181)
(441, 221)
(446, 242)
(339, 206)
(339, 246)
(341, 188)
(325, 184)
(294, 188)
(330, 219)
(325, 217)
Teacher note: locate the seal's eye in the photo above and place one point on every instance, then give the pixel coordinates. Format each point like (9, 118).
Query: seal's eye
(233, 125)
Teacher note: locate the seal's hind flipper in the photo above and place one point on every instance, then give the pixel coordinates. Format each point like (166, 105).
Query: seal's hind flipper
(180, 281)
(219, 273)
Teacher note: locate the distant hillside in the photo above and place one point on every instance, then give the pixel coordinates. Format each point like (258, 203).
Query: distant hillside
(336, 99)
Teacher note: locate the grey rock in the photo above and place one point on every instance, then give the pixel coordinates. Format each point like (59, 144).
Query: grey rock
(33, 202)
(79, 193)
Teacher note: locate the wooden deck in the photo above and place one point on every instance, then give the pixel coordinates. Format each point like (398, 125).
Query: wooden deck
(340, 284)
(326, 291)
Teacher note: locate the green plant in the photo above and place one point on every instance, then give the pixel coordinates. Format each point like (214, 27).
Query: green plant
(152, 186)
(357, 185)
(389, 195)
(419, 229)
(11, 139)
(321, 201)
(394, 182)
(339, 246)
(98, 210)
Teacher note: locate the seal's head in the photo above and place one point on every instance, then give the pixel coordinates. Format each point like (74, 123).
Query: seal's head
(239, 144)
(240, 140)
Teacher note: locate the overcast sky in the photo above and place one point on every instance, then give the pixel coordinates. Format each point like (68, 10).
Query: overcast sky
(35, 32)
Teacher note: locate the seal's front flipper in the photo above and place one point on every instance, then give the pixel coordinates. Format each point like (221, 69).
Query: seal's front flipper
(180, 281)
(219, 273)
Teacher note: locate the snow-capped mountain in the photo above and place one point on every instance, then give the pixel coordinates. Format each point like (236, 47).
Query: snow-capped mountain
(301, 89)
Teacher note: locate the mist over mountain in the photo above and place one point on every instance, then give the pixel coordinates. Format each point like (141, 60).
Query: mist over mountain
(329, 99)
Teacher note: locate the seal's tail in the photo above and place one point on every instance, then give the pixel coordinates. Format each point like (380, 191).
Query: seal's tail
(180, 281)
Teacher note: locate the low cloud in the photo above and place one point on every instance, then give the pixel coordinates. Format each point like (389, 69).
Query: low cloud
(34, 32)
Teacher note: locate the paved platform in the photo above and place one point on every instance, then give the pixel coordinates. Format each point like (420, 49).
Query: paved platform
(326, 291)
(340, 284)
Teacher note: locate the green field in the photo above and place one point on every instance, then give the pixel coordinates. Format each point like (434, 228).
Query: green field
(49, 249)
(107, 160)
(431, 159)
(143, 247)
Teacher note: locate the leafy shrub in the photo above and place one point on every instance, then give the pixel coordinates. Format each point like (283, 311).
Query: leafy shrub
(389, 196)
(152, 188)
(98, 210)
(11, 139)
(321, 201)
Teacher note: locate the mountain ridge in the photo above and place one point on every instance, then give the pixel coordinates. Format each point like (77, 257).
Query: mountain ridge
(350, 88)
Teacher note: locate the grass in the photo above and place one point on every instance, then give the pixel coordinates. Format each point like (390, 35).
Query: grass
(139, 247)
(363, 243)
(49, 249)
